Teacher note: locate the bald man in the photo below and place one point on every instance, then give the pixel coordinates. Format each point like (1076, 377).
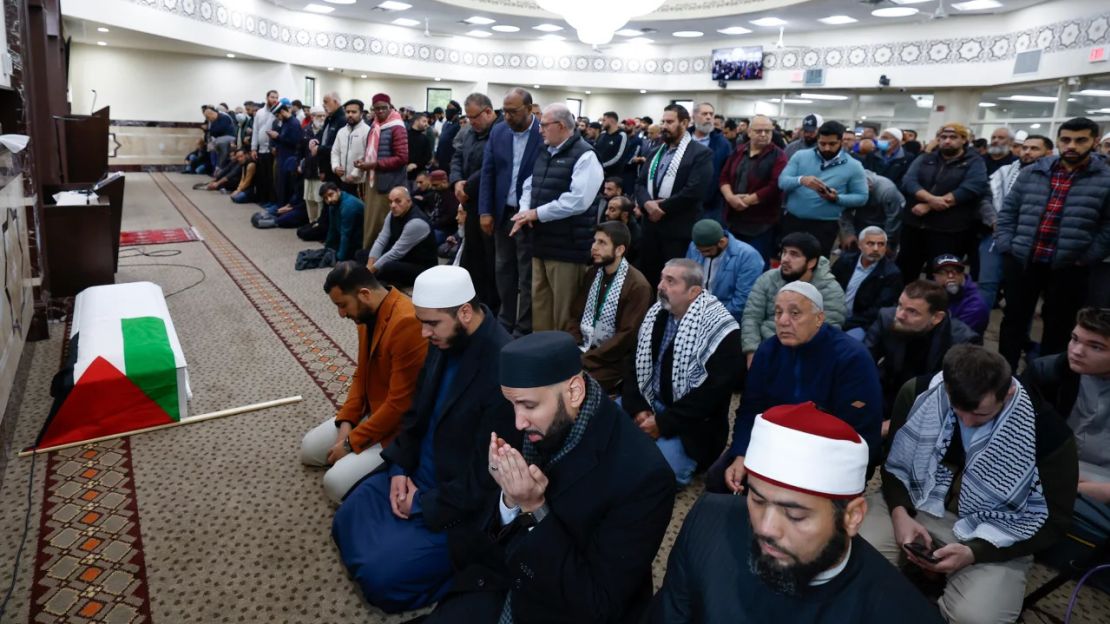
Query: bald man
(406, 245)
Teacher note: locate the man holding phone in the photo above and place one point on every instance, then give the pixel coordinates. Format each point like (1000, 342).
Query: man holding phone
(973, 463)
(818, 184)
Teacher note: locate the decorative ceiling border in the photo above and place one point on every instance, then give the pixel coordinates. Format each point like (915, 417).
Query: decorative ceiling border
(1059, 36)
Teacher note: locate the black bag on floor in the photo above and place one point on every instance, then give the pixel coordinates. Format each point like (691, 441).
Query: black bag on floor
(315, 259)
(313, 232)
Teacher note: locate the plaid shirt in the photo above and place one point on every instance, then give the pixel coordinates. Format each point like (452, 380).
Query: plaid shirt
(1048, 232)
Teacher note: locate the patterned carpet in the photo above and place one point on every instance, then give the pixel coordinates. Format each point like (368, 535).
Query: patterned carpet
(215, 522)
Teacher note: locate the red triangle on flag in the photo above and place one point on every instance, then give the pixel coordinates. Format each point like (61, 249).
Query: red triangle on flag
(103, 402)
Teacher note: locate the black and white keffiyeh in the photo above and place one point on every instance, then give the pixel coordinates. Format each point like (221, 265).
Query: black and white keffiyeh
(666, 187)
(597, 327)
(700, 331)
(1001, 496)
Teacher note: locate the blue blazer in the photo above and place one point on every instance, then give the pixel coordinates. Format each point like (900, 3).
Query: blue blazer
(497, 167)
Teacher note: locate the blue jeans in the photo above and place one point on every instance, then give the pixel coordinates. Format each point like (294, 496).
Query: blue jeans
(990, 271)
(677, 459)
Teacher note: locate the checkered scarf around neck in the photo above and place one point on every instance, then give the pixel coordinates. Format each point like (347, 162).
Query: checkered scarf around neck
(666, 187)
(700, 331)
(589, 408)
(1001, 496)
(597, 327)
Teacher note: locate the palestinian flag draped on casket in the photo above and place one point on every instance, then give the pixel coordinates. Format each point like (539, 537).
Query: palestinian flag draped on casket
(122, 372)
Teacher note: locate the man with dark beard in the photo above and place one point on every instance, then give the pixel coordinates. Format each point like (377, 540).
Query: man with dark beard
(396, 530)
(789, 551)
(585, 500)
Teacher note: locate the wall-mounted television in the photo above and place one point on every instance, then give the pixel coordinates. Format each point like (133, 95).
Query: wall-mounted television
(743, 63)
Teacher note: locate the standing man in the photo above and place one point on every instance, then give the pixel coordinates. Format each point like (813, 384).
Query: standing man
(390, 355)
(1000, 153)
(670, 191)
(707, 133)
(606, 315)
(563, 188)
(889, 159)
(584, 502)
(396, 529)
(445, 144)
(349, 148)
(420, 146)
(611, 145)
(808, 140)
(749, 183)
(387, 155)
(466, 179)
(260, 148)
(818, 184)
(882, 210)
(789, 551)
(510, 155)
(943, 189)
(334, 121)
(1054, 225)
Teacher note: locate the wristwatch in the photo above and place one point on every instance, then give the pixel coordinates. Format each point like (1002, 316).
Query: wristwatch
(347, 444)
(529, 519)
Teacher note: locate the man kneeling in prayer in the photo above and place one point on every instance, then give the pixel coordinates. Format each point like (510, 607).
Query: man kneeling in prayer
(583, 506)
(976, 481)
(789, 552)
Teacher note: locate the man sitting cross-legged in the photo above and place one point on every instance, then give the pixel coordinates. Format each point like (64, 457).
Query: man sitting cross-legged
(806, 360)
(680, 380)
(395, 530)
(608, 313)
(390, 354)
(975, 482)
(790, 550)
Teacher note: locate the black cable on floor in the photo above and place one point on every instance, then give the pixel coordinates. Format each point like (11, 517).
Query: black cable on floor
(22, 540)
(203, 275)
(137, 252)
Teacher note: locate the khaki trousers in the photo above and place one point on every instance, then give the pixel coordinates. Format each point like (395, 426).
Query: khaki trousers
(555, 285)
(376, 208)
(349, 470)
(981, 593)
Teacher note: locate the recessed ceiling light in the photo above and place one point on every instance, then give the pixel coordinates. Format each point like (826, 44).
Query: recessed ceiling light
(230, 55)
(837, 20)
(438, 79)
(482, 34)
(553, 38)
(318, 8)
(392, 5)
(535, 86)
(976, 5)
(102, 43)
(340, 1)
(863, 117)
(910, 1)
(1072, 100)
(1029, 98)
(641, 40)
(688, 34)
(987, 104)
(824, 96)
(588, 92)
(331, 69)
(642, 91)
(769, 21)
(505, 28)
(478, 20)
(894, 12)
(734, 30)
(629, 32)
(1034, 126)
(406, 21)
(548, 27)
(1092, 92)
(1098, 111)
(101, 29)
(362, 76)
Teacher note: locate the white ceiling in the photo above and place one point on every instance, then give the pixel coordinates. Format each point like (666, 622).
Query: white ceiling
(446, 16)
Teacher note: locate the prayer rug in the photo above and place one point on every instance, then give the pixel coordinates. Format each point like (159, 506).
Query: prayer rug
(158, 237)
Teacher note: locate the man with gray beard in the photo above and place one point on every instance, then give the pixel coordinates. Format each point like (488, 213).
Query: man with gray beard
(704, 132)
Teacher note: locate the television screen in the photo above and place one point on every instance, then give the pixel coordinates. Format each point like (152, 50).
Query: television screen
(744, 63)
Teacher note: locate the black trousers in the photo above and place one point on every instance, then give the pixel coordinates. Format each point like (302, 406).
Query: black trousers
(478, 257)
(1064, 290)
(825, 231)
(264, 178)
(400, 273)
(919, 246)
(657, 247)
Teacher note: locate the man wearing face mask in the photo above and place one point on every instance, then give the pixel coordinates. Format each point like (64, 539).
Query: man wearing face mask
(889, 159)
(1000, 152)
(818, 184)
(583, 504)
(445, 145)
(964, 301)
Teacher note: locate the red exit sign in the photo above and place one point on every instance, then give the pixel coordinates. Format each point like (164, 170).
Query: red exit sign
(1096, 55)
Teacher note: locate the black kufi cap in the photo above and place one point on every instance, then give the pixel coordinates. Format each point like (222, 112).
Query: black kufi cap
(540, 359)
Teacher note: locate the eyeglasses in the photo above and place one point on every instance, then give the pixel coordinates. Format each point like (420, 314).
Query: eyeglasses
(759, 131)
(544, 124)
(480, 113)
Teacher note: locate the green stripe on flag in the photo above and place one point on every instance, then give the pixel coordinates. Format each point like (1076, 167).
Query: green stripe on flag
(149, 361)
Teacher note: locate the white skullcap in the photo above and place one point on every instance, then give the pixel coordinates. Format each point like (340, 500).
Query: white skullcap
(1020, 137)
(801, 448)
(894, 132)
(1105, 137)
(442, 286)
(316, 110)
(807, 290)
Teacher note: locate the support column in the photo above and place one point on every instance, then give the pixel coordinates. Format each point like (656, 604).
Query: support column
(959, 105)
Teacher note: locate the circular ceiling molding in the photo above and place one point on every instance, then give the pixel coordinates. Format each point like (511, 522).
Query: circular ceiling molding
(671, 9)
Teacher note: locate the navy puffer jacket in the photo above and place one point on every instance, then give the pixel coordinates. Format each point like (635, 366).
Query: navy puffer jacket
(1084, 224)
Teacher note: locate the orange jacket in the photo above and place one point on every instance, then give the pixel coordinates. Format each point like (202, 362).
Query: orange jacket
(385, 380)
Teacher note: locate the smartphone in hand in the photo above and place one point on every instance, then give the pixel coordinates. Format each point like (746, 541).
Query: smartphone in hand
(923, 552)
